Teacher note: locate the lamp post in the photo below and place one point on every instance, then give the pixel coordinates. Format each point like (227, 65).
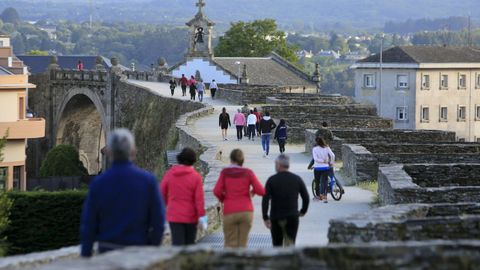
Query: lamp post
(381, 75)
(316, 78)
(238, 63)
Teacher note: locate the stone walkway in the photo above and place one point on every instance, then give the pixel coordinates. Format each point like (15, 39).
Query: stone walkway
(314, 226)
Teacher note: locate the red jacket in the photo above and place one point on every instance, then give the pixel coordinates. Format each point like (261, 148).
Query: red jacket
(182, 190)
(258, 115)
(233, 189)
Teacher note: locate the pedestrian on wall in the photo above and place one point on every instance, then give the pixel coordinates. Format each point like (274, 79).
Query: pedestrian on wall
(192, 83)
(324, 159)
(123, 206)
(80, 65)
(239, 122)
(213, 88)
(173, 85)
(224, 123)
(266, 126)
(235, 188)
(182, 188)
(281, 135)
(246, 112)
(282, 191)
(183, 83)
(251, 122)
(259, 117)
(200, 90)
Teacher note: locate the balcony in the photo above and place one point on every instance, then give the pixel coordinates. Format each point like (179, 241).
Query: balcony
(29, 128)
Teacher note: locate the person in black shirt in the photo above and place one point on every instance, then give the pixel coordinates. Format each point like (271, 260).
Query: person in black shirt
(224, 123)
(282, 190)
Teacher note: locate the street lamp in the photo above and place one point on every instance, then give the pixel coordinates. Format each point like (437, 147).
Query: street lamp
(238, 63)
(316, 78)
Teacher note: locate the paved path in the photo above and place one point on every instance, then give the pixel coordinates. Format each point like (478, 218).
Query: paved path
(314, 226)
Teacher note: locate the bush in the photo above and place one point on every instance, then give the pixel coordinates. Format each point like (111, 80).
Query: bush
(62, 160)
(40, 221)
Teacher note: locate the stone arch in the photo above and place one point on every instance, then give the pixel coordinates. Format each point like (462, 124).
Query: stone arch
(82, 122)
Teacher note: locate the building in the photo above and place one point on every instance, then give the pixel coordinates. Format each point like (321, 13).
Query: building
(269, 70)
(424, 87)
(16, 121)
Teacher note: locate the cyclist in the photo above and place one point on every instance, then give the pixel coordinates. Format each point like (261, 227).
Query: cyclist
(323, 160)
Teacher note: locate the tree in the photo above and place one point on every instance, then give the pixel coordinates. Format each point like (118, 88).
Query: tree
(10, 15)
(5, 202)
(62, 160)
(37, 52)
(254, 39)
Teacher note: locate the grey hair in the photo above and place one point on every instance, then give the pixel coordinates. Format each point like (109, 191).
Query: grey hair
(283, 160)
(121, 143)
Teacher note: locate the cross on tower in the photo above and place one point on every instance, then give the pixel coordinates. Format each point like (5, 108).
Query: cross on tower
(200, 5)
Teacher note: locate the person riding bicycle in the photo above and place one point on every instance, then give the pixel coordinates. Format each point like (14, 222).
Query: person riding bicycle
(323, 160)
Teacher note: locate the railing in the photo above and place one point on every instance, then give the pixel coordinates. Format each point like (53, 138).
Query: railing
(79, 75)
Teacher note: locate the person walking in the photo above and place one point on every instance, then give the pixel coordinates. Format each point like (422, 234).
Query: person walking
(323, 160)
(182, 189)
(239, 122)
(282, 191)
(224, 123)
(235, 188)
(281, 135)
(192, 83)
(246, 112)
(173, 85)
(257, 125)
(184, 83)
(213, 88)
(266, 127)
(80, 65)
(124, 206)
(251, 122)
(200, 90)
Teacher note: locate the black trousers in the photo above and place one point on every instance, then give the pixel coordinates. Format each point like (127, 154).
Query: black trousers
(239, 132)
(172, 89)
(284, 231)
(251, 131)
(192, 94)
(321, 180)
(183, 233)
(213, 91)
(281, 145)
(184, 90)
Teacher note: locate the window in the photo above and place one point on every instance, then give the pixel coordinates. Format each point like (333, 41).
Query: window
(402, 113)
(462, 113)
(21, 108)
(443, 114)
(444, 82)
(477, 83)
(478, 140)
(426, 81)
(1, 43)
(402, 81)
(369, 81)
(17, 177)
(425, 114)
(477, 112)
(462, 81)
(3, 177)
(461, 139)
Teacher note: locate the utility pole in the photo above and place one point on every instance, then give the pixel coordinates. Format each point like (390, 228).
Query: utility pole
(469, 41)
(381, 74)
(90, 11)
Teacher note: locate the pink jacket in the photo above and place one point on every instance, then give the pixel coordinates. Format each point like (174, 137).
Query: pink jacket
(239, 119)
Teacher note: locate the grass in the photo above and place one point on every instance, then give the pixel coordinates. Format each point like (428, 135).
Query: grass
(371, 186)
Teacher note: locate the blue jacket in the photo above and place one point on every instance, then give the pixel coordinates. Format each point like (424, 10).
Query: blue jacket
(123, 208)
(281, 133)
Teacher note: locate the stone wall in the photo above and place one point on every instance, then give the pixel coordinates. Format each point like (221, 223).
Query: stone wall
(398, 255)
(299, 98)
(249, 94)
(360, 162)
(396, 186)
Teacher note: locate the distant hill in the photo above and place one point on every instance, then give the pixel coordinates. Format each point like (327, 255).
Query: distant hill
(291, 14)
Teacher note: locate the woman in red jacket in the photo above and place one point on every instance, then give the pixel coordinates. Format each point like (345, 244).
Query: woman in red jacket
(182, 190)
(235, 188)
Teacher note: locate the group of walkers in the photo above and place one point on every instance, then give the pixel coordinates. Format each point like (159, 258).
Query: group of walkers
(196, 88)
(250, 123)
(126, 206)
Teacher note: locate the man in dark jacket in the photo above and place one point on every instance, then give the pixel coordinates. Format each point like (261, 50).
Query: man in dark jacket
(266, 126)
(124, 206)
(283, 189)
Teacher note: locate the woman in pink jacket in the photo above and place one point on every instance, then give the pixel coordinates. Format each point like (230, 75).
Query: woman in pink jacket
(239, 122)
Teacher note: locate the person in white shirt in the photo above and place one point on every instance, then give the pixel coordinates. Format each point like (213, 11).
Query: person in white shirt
(323, 158)
(251, 125)
(213, 88)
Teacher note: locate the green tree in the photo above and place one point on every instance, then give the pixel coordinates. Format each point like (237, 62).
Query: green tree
(5, 203)
(62, 160)
(37, 52)
(254, 39)
(10, 15)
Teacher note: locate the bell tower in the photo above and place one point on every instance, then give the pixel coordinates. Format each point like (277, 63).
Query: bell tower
(201, 29)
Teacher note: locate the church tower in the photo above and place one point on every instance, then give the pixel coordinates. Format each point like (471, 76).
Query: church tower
(200, 34)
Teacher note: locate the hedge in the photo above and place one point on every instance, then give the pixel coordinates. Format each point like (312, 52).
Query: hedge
(40, 221)
(62, 160)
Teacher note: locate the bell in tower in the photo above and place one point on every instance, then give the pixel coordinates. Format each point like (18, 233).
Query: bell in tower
(201, 34)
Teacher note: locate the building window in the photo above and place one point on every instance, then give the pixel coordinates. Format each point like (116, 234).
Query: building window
(477, 113)
(426, 81)
(444, 82)
(402, 81)
(477, 81)
(21, 108)
(478, 140)
(462, 113)
(369, 81)
(3, 178)
(462, 81)
(402, 113)
(1, 43)
(443, 114)
(461, 139)
(17, 177)
(425, 114)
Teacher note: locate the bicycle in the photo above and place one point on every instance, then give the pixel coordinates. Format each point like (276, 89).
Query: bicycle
(336, 191)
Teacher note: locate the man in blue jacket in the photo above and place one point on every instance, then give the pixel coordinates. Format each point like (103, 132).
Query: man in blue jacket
(124, 206)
